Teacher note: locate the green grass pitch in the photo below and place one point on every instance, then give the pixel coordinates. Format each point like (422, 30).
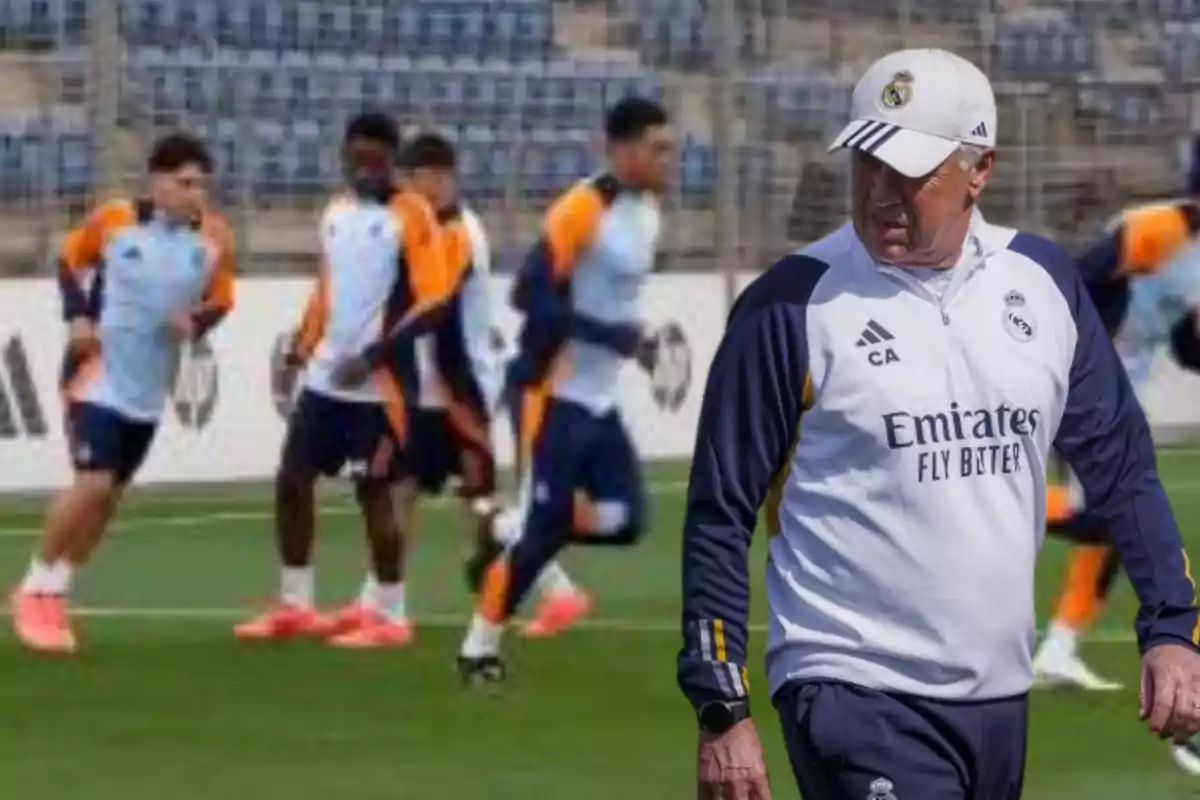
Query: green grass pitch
(164, 703)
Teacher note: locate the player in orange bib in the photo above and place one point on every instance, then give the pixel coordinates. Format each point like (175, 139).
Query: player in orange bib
(383, 283)
(139, 278)
(1144, 277)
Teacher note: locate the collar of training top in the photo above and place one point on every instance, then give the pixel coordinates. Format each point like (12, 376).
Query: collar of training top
(147, 212)
(449, 213)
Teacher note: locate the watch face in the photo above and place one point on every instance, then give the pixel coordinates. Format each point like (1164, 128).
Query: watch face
(716, 717)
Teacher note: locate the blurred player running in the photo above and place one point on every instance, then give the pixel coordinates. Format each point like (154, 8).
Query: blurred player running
(138, 278)
(580, 291)
(383, 282)
(460, 377)
(1144, 277)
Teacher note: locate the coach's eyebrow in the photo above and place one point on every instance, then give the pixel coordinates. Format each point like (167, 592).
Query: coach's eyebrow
(758, 387)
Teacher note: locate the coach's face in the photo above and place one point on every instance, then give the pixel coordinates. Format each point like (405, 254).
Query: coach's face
(917, 222)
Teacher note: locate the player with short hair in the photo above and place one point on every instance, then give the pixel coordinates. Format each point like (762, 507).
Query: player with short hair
(382, 283)
(460, 385)
(1144, 277)
(139, 278)
(579, 290)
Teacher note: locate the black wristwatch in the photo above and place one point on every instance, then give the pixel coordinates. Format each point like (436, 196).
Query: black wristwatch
(719, 716)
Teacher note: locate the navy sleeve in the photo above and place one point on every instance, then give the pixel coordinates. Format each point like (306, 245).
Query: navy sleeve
(1101, 262)
(75, 302)
(539, 294)
(749, 419)
(1105, 438)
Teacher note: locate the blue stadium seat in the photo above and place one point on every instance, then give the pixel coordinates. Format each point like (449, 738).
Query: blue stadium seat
(269, 175)
(795, 104)
(697, 169)
(1045, 48)
(74, 23)
(1179, 49)
(74, 164)
(1130, 107)
(1159, 10)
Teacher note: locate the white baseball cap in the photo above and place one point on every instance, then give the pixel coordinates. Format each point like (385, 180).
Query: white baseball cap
(913, 108)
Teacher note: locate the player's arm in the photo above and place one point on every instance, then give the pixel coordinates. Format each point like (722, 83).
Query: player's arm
(219, 294)
(313, 319)
(1104, 436)
(749, 420)
(542, 290)
(432, 280)
(477, 314)
(82, 250)
(1141, 241)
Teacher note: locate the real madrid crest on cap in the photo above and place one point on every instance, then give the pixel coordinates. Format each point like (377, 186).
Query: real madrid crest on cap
(1019, 322)
(898, 91)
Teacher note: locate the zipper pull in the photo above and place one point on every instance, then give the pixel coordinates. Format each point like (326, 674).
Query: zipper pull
(945, 317)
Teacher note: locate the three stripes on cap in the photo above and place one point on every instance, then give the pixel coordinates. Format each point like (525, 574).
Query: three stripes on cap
(870, 136)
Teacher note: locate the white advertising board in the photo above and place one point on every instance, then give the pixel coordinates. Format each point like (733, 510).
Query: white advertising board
(223, 423)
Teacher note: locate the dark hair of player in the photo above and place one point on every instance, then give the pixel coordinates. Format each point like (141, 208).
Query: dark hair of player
(374, 126)
(628, 120)
(177, 150)
(431, 151)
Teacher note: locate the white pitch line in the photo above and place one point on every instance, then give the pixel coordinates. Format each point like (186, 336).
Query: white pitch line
(337, 509)
(341, 509)
(612, 624)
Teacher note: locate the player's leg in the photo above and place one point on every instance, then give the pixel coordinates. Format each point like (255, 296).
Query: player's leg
(311, 447)
(384, 619)
(504, 527)
(1092, 567)
(565, 437)
(427, 460)
(608, 510)
(107, 450)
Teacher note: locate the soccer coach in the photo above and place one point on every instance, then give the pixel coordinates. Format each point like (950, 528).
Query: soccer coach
(888, 397)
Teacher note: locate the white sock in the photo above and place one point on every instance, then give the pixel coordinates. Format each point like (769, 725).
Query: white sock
(368, 596)
(390, 599)
(553, 579)
(482, 639)
(62, 575)
(1061, 639)
(506, 527)
(39, 578)
(296, 586)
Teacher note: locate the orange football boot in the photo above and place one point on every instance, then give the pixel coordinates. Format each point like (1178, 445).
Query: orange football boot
(374, 631)
(557, 612)
(285, 622)
(40, 621)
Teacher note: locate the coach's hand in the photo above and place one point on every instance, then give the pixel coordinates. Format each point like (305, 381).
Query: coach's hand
(1170, 693)
(731, 767)
(351, 373)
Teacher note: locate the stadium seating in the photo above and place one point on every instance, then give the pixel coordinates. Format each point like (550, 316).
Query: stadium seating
(270, 81)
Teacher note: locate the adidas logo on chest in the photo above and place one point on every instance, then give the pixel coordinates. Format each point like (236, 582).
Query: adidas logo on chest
(878, 342)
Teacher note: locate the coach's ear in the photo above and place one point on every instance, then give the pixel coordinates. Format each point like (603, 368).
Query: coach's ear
(980, 173)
